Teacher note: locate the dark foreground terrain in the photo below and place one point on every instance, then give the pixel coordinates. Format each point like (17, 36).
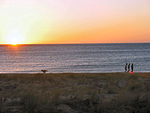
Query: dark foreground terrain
(75, 93)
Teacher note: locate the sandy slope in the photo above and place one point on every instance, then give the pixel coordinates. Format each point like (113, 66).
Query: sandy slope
(75, 93)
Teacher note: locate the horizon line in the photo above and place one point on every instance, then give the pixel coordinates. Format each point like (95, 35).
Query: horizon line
(80, 43)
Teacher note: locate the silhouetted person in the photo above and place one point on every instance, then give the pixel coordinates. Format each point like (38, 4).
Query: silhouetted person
(125, 68)
(132, 67)
(129, 67)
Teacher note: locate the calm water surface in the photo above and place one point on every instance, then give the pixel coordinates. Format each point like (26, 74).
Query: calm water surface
(78, 58)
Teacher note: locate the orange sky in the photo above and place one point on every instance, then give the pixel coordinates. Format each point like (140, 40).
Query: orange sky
(74, 21)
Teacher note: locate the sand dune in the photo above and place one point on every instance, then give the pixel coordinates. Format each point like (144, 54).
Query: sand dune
(75, 93)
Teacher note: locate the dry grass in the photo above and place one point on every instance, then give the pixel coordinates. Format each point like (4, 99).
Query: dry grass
(75, 93)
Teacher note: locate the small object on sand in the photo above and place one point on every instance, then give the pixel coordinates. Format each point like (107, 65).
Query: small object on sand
(132, 72)
(44, 71)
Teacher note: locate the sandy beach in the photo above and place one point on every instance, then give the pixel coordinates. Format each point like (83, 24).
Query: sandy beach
(74, 56)
(75, 93)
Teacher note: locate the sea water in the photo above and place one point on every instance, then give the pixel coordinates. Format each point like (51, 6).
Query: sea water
(74, 58)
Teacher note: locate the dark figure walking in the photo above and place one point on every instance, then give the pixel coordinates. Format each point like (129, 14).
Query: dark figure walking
(132, 67)
(128, 67)
(125, 68)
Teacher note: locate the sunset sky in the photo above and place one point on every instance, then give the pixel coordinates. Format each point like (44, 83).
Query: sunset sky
(74, 21)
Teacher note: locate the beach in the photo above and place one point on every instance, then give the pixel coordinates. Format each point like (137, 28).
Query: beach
(74, 56)
(75, 93)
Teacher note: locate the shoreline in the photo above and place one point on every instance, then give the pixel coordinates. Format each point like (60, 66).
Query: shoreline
(74, 74)
(77, 73)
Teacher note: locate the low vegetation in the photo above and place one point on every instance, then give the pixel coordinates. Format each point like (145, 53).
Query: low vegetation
(75, 93)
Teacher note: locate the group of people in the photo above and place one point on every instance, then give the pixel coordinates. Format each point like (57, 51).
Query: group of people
(129, 67)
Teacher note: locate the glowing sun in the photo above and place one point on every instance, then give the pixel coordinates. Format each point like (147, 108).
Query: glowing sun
(14, 41)
(14, 38)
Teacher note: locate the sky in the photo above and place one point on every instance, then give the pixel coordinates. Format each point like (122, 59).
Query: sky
(74, 21)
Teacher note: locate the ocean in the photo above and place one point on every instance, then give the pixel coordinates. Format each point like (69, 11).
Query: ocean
(74, 58)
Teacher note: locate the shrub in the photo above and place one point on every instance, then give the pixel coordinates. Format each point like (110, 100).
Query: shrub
(29, 103)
